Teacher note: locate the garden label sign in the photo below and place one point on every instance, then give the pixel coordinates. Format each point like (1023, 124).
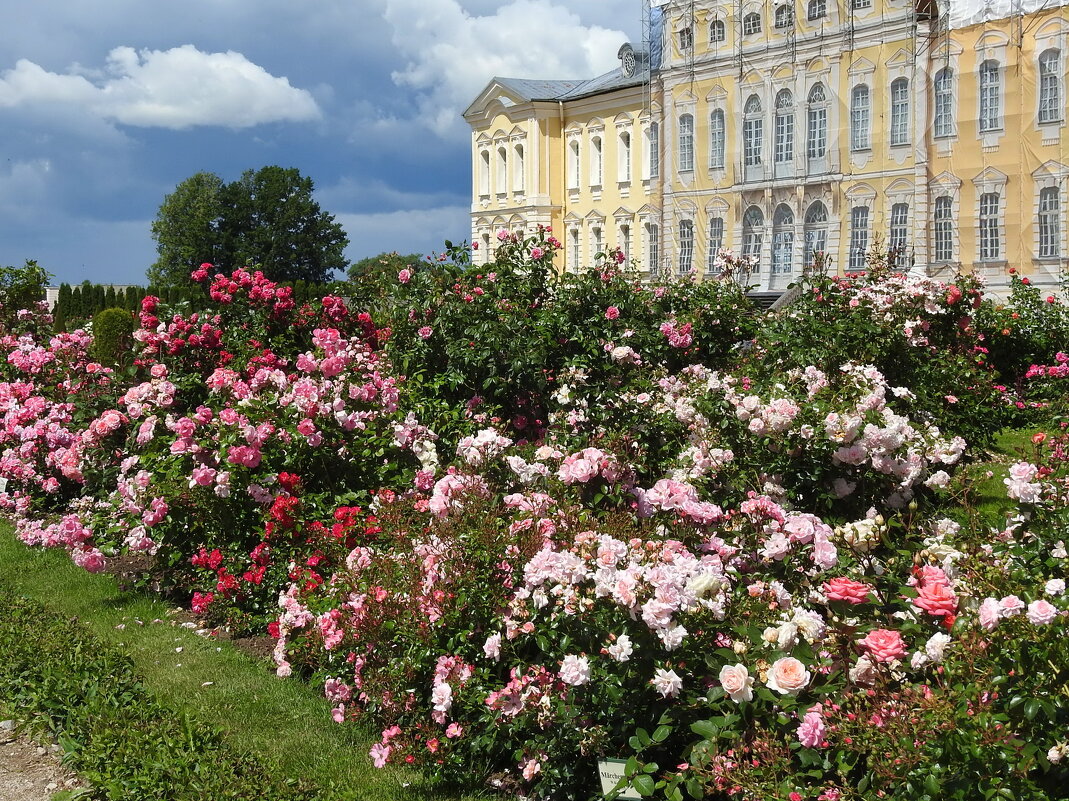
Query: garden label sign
(611, 771)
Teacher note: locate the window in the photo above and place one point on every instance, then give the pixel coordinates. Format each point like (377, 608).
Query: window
(900, 112)
(989, 227)
(785, 16)
(816, 230)
(859, 118)
(943, 89)
(573, 164)
(686, 143)
(782, 239)
(625, 242)
(718, 31)
(859, 236)
(484, 172)
(653, 245)
(686, 247)
(575, 249)
(686, 38)
(623, 159)
(717, 139)
(518, 169)
(817, 123)
(990, 90)
(817, 9)
(752, 131)
(1049, 223)
(784, 149)
(596, 245)
(596, 164)
(896, 240)
(751, 24)
(857, 4)
(655, 149)
(502, 171)
(753, 224)
(944, 229)
(716, 241)
(1050, 95)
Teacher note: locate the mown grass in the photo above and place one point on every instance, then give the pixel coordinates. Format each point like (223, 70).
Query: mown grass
(284, 725)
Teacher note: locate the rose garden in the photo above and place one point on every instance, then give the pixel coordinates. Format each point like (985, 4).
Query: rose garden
(519, 524)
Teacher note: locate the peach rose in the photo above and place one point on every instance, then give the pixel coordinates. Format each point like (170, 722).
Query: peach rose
(848, 590)
(787, 676)
(737, 683)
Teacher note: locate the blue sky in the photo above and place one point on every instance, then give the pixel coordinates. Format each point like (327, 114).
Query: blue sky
(106, 106)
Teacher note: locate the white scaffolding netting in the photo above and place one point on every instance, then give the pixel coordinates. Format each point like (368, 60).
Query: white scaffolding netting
(963, 13)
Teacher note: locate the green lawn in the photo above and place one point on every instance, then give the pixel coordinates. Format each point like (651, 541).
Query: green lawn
(285, 724)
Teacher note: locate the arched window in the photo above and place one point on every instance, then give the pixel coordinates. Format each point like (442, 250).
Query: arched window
(502, 171)
(752, 131)
(900, 111)
(518, 169)
(686, 142)
(785, 16)
(817, 9)
(751, 24)
(484, 172)
(753, 226)
(817, 123)
(718, 31)
(816, 230)
(943, 90)
(943, 225)
(1050, 89)
(990, 96)
(784, 145)
(782, 239)
(1049, 223)
(989, 226)
(859, 118)
(686, 38)
(686, 247)
(717, 139)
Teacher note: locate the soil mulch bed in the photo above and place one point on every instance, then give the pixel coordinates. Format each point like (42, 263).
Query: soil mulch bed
(30, 771)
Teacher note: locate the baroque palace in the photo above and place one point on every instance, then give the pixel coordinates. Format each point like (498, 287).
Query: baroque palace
(783, 129)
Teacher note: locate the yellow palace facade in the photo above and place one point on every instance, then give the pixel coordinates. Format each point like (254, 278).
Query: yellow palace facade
(782, 129)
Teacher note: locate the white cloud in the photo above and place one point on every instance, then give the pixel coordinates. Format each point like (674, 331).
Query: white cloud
(452, 54)
(420, 231)
(178, 88)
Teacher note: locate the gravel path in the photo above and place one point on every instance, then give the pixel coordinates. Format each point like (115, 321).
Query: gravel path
(30, 771)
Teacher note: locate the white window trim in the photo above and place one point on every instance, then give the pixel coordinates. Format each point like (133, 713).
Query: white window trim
(991, 181)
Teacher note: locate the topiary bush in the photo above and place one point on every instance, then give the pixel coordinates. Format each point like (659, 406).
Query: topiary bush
(113, 337)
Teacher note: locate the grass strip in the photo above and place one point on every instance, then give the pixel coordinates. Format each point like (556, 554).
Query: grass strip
(190, 705)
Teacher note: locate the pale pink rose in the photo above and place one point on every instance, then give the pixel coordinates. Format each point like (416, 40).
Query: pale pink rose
(1041, 612)
(737, 682)
(404, 276)
(1010, 605)
(667, 683)
(531, 767)
(492, 647)
(811, 730)
(575, 670)
(787, 676)
(884, 645)
(379, 754)
(989, 613)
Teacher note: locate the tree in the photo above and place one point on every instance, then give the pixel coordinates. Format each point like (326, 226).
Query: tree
(266, 220)
(271, 221)
(186, 229)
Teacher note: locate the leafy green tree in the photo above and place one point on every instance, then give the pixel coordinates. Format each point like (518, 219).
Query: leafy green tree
(20, 288)
(271, 221)
(382, 265)
(187, 229)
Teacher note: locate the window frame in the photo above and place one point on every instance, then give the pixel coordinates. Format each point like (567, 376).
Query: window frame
(717, 139)
(716, 241)
(989, 96)
(816, 145)
(899, 133)
(753, 227)
(859, 238)
(751, 24)
(685, 263)
(1049, 223)
(860, 118)
(816, 9)
(1048, 87)
(718, 31)
(782, 240)
(988, 228)
(783, 136)
(753, 133)
(943, 126)
(815, 229)
(686, 142)
(943, 229)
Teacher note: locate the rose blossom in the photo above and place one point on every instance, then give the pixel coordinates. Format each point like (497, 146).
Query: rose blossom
(936, 599)
(884, 645)
(811, 730)
(1054, 587)
(848, 590)
(1010, 605)
(575, 670)
(667, 683)
(787, 676)
(612, 313)
(1041, 612)
(989, 614)
(737, 682)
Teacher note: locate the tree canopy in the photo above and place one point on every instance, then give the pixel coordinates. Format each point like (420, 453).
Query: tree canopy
(384, 263)
(266, 219)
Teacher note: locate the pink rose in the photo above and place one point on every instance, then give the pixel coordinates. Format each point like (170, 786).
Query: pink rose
(612, 313)
(884, 645)
(848, 590)
(404, 276)
(737, 682)
(1010, 605)
(936, 599)
(1041, 612)
(575, 670)
(989, 614)
(811, 731)
(787, 676)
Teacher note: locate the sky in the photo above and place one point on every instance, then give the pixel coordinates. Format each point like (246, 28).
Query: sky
(106, 106)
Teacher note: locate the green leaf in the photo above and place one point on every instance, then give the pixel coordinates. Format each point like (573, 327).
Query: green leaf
(662, 733)
(705, 728)
(644, 785)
